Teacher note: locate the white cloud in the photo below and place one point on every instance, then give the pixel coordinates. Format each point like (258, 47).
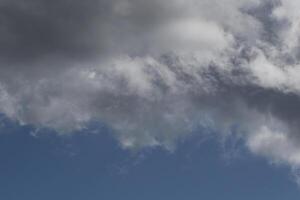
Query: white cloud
(276, 144)
(155, 71)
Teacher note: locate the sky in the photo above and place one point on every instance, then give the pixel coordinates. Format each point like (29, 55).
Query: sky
(96, 167)
(160, 99)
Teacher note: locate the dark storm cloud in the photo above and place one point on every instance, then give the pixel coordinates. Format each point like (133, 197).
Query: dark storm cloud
(31, 29)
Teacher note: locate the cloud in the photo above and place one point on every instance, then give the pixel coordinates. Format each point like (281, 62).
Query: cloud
(265, 139)
(156, 71)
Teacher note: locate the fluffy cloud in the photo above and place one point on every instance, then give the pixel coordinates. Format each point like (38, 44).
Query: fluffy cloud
(156, 71)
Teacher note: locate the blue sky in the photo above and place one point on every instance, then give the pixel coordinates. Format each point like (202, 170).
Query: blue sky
(94, 167)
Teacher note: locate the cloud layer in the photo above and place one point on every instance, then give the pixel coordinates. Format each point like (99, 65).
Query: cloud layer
(156, 71)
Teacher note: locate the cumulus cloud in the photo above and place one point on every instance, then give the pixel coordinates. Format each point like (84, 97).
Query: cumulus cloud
(156, 71)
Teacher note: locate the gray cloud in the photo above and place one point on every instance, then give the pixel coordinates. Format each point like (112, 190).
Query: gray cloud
(156, 71)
